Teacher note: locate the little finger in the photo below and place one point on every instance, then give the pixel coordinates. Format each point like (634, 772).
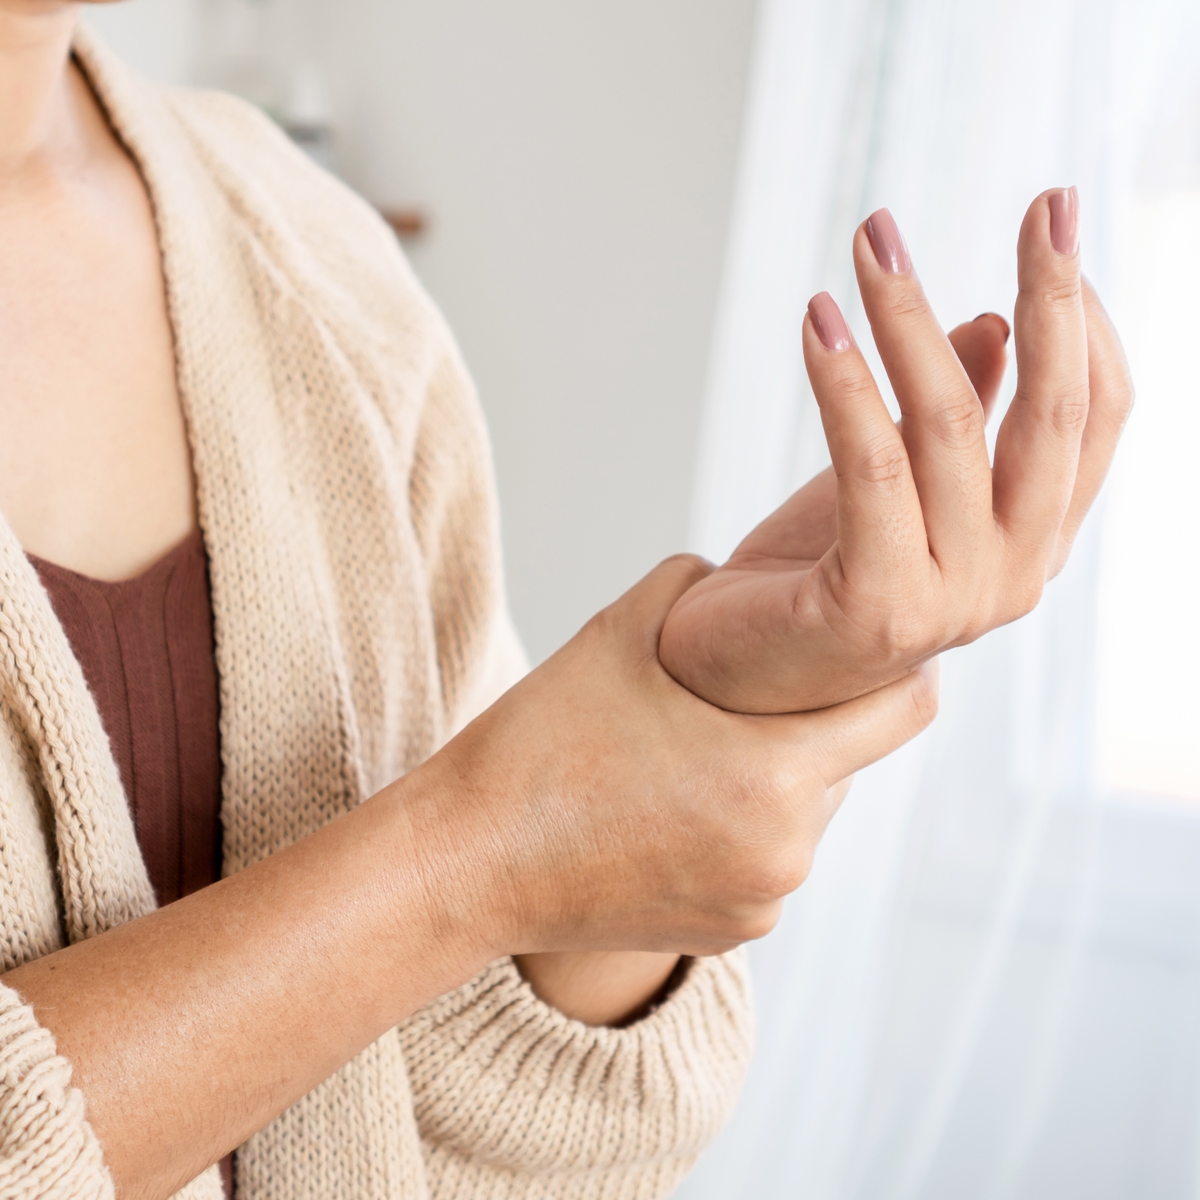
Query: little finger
(1111, 399)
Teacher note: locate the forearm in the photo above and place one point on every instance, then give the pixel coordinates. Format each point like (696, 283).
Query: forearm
(192, 1028)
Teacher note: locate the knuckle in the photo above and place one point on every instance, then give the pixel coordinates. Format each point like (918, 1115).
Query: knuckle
(851, 387)
(756, 923)
(958, 420)
(1069, 411)
(883, 462)
(1065, 409)
(900, 636)
(1057, 294)
(786, 871)
(909, 304)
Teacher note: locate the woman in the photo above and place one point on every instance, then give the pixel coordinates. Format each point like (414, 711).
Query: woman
(498, 963)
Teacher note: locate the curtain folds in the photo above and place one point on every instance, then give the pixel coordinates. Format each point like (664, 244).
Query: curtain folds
(988, 988)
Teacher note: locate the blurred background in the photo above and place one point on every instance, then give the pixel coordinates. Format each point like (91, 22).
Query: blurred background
(990, 985)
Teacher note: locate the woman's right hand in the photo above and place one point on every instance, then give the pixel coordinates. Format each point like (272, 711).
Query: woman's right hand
(608, 808)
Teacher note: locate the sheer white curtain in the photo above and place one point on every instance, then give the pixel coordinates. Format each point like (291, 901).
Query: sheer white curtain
(990, 985)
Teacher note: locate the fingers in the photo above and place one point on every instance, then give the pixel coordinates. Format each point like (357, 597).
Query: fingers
(1110, 392)
(981, 348)
(878, 513)
(943, 421)
(850, 736)
(1037, 449)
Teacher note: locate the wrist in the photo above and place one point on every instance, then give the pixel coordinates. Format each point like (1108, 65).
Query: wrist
(448, 851)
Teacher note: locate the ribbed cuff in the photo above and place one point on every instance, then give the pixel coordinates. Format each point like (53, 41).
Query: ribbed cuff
(502, 1078)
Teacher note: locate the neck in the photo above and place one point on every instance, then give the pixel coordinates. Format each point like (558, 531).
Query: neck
(37, 119)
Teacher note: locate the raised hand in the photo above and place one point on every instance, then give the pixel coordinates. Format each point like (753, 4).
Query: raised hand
(915, 542)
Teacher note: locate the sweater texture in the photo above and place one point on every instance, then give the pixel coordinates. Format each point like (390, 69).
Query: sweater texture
(348, 510)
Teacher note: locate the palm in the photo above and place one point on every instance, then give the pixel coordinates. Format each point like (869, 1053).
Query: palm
(788, 564)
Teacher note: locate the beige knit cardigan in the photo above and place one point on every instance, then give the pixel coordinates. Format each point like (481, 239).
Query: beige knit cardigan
(347, 503)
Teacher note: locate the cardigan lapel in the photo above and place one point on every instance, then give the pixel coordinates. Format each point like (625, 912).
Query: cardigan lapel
(104, 880)
(289, 740)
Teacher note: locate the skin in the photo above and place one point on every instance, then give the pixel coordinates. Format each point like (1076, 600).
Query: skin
(598, 822)
(914, 542)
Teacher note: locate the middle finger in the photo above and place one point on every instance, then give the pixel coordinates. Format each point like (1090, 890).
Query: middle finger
(943, 420)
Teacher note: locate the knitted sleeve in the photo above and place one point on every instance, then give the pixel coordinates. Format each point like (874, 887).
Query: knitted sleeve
(516, 1100)
(47, 1147)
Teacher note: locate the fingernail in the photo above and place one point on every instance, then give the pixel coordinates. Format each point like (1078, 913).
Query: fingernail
(888, 243)
(829, 323)
(1064, 221)
(996, 317)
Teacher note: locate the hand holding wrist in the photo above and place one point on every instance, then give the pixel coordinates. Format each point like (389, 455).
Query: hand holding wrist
(599, 806)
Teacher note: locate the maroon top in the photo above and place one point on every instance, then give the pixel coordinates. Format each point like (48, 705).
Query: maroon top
(147, 653)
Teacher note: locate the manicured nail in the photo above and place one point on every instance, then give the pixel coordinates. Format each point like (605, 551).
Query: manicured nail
(888, 243)
(829, 323)
(995, 317)
(1064, 221)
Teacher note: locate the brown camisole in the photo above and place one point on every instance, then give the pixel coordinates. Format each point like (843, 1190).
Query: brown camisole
(147, 652)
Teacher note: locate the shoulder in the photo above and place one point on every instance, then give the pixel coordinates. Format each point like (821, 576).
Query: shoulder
(330, 241)
(208, 150)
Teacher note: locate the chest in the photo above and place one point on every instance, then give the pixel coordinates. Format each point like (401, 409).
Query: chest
(94, 465)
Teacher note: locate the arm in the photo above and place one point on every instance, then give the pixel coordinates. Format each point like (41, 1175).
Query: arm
(597, 806)
(191, 1028)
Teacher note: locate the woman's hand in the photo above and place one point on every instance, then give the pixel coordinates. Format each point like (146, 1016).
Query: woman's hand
(597, 806)
(920, 544)
(623, 813)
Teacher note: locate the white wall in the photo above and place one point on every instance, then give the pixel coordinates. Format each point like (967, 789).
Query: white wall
(578, 161)
(154, 36)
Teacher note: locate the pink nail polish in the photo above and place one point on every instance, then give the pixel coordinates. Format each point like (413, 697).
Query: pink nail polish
(888, 243)
(829, 323)
(991, 316)
(1064, 221)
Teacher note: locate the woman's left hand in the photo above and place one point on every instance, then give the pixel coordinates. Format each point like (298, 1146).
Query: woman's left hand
(915, 542)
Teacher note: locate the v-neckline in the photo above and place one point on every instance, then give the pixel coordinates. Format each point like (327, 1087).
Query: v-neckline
(164, 560)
